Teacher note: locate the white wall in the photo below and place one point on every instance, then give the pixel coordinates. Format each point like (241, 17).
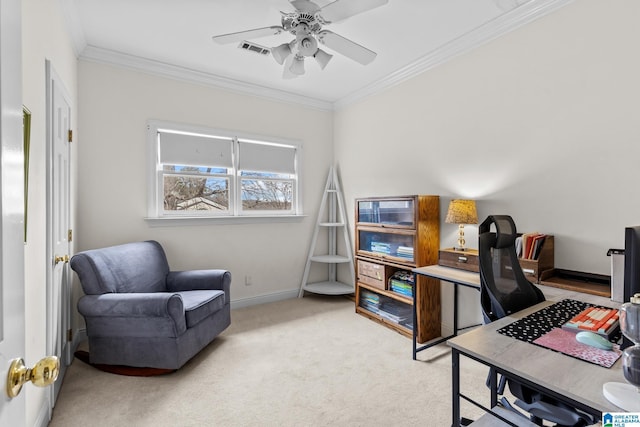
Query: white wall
(114, 105)
(541, 124)
(43, 37)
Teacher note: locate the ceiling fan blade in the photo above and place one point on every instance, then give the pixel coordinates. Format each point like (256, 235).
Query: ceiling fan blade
(249, 34)
(346, 47)
(304, 6)
(343, 9)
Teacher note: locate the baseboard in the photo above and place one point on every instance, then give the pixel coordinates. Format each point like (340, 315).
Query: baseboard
(79, 337)
(446, 330)
(262, 299)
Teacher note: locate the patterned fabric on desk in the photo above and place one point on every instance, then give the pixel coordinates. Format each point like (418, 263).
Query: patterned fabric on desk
(541, 328)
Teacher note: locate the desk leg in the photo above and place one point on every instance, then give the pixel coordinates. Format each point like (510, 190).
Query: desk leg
(455, 309)
(493, 386)
(415, 317)
(455, 387)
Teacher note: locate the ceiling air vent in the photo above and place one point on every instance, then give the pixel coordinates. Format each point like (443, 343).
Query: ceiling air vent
(252, 47)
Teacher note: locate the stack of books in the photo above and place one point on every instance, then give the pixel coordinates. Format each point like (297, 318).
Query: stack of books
(370, 301)
(405, 252)
(396, 312)
(383, 248)
(402, 282)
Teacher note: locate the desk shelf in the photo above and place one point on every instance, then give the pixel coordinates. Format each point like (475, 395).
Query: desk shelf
(588, 283)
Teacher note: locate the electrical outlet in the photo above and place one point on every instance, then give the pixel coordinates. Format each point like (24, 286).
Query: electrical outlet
(247, 280)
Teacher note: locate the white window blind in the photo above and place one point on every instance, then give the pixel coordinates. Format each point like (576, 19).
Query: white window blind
(194, 150)
(266, 157)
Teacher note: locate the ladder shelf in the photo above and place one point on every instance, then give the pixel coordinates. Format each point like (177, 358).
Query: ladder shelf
(331, 219)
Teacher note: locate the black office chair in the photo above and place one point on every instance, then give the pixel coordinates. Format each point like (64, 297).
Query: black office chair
(504, 290)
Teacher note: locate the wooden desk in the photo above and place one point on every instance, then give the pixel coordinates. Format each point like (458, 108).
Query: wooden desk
(458, 278)
(570, 380)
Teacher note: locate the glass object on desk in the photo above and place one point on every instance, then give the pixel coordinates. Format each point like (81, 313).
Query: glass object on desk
(397, 212)
(630, 326)
(627, 396)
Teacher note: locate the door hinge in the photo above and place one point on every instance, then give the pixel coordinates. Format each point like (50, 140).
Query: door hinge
(70, 235)
(69, 335)
(70, 135)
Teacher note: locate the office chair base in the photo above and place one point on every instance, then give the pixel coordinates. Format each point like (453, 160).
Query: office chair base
(623, 395)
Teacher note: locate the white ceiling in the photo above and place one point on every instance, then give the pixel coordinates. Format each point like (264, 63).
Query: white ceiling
(174, 37)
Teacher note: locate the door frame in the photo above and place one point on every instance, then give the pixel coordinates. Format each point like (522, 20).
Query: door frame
(52, 79)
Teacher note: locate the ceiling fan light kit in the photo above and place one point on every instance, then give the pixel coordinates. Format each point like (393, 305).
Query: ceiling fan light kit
(306, 25)
(322, 58)
(281, 52)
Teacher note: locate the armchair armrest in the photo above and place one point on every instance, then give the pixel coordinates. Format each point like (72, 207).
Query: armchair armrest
(134, 314)
(192, 280)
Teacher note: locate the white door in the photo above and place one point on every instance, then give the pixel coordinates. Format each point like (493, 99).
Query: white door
(12, 324)
(58, 205)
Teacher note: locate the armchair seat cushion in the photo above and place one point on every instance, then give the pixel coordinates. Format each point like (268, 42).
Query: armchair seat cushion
(199, 305)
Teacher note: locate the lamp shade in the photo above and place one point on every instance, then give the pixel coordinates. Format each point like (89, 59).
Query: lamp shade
(281, 52)
(462, 212)
(297, 66)
(322, 58)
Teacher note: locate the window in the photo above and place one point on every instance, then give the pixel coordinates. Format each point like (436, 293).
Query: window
(202, 172)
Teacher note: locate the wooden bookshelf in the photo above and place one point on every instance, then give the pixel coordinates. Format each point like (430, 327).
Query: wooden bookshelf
(398, 233)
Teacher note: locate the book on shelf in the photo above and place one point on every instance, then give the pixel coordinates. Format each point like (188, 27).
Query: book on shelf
(370, 301)
(396, 312)
(601, 320)
(402, 282)
(384, 248)
(405, 252)
(528, 245)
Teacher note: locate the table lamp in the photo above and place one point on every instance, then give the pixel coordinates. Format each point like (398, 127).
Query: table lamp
(461, 212)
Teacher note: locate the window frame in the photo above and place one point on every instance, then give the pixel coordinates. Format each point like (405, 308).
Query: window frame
(156, 213)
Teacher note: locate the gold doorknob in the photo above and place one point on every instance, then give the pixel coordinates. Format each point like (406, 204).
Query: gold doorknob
(42, 374)
(58, 259)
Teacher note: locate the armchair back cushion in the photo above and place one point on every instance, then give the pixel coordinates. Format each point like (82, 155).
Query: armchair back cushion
(138, 267)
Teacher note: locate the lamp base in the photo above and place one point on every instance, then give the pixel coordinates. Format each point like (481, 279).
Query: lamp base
(623, 395)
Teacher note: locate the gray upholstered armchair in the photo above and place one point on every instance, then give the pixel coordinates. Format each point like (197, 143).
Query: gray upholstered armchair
(139, 313)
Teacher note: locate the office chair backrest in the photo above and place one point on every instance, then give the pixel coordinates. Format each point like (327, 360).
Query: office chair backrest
(504, 289)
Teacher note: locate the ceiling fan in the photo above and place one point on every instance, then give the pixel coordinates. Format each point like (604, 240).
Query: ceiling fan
(306, 25)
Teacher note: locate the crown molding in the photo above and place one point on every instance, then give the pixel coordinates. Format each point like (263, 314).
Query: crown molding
(136, 63)
(516, 18)
(72, 20)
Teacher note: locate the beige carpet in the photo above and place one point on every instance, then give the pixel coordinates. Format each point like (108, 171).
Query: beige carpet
(299, 362)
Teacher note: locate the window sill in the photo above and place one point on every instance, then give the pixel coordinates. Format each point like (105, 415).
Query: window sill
(192, 220)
